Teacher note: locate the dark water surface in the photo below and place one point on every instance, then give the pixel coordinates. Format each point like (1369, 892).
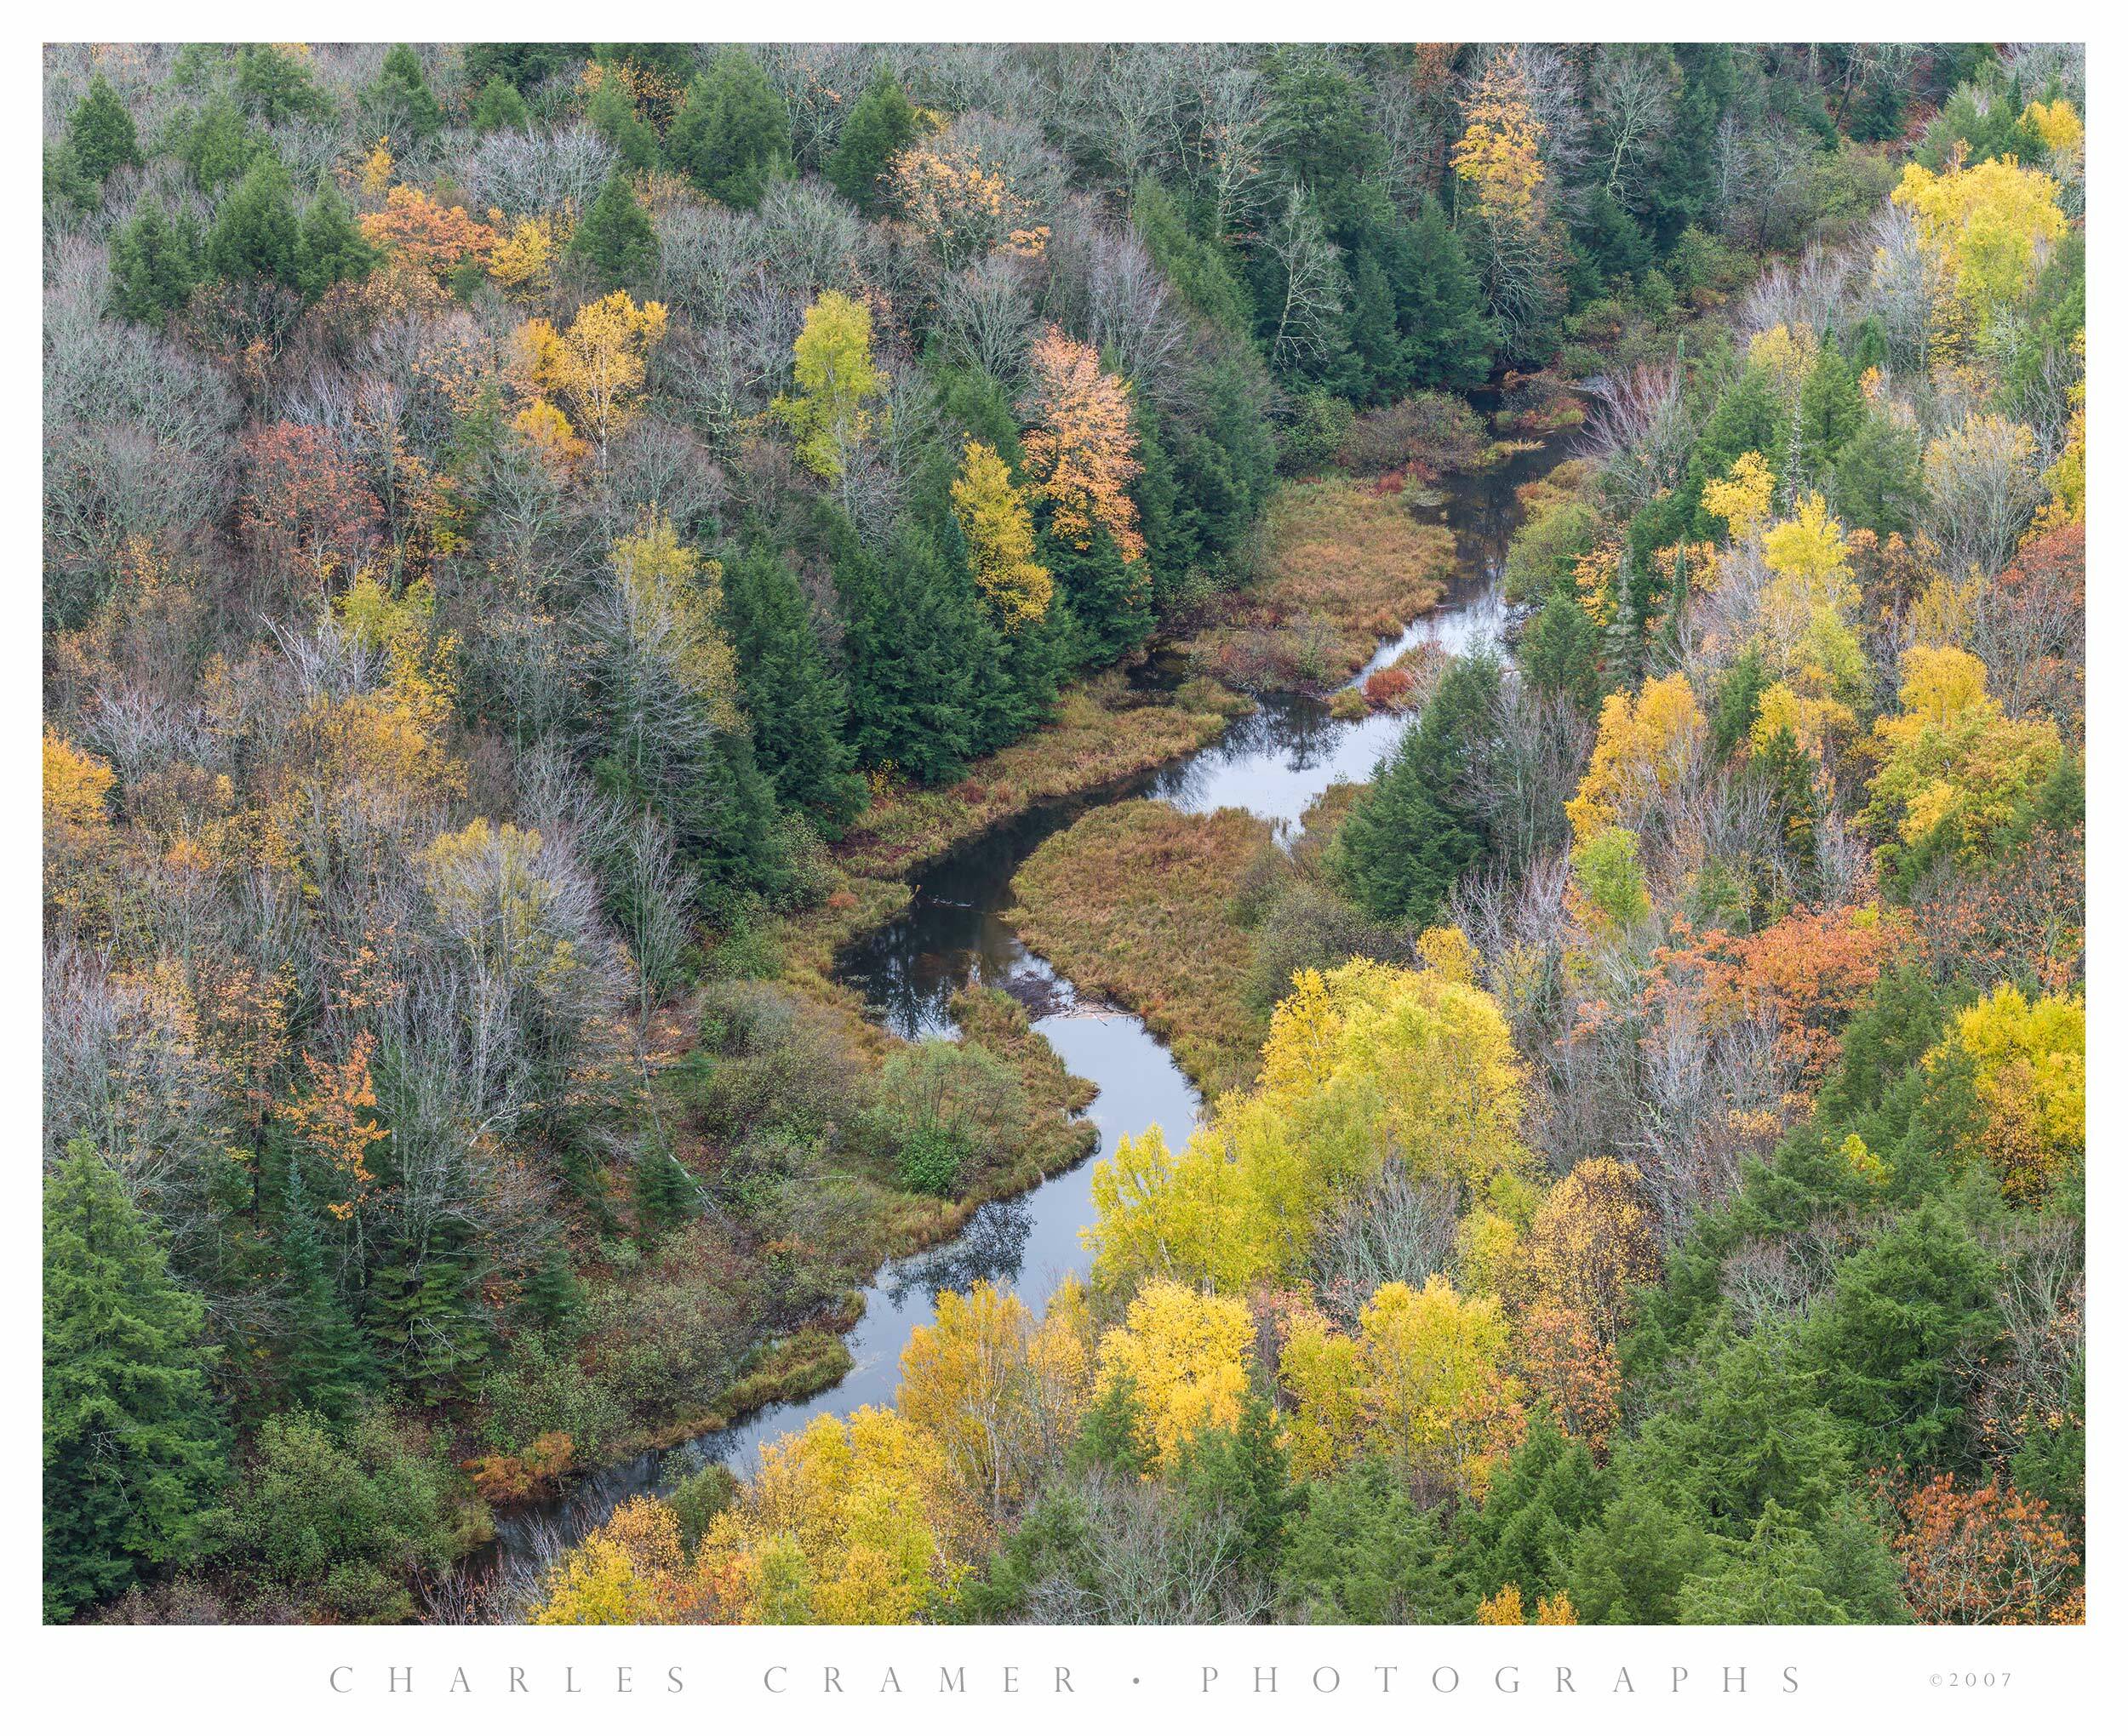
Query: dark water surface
(1273, 763)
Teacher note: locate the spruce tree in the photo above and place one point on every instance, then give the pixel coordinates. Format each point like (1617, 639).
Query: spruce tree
(254, 233)
(331, 248)
(1448, 338)
(1111, 598)
(799, 704)
(154, 264)
(612, 114)
(276, 86)
(732, 133)
(615, 239)
(1413, 834)
(133, 1450)
(325, 1365)
(881, 124)
(399, 99)
(100, 130)
(1559, 653)
(911, 686)
(498, 108)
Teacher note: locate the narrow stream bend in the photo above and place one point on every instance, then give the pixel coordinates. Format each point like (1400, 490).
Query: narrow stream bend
(1273, 763)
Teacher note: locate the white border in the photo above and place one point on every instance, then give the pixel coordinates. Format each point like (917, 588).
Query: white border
(244, 1678)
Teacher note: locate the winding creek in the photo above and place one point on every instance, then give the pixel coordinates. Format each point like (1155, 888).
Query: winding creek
(1273, 763)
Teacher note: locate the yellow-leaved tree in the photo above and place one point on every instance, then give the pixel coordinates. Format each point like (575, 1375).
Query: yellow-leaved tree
(1647, 745)
(2023, 1061)
(1987, 227)
(1184, 1354)
(849, 1523)
(999, 531)
(1081, 454)
(1424, 1382)
(831, 411)
(588, 380)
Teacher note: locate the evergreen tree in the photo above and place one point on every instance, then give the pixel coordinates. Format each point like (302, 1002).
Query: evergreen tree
(732, 133)
(552, 1296)
(218, 144)
(1111, 598)
(1525, 1533)
(276, 86)
(134, 1453)
(1448, 337)
(1877, 482)
(1905, 1315)
(612, 114)
(423, 1319)
(398, 99)
(1560, 651)
(254, 233)
(798, 706)
(912, 689)
(1630, 1565)
(499, 108)
(100, 130)
(331, 248)
(67, 190)
(615, 238)
(665, 1195)
(1412, 835)
(1359, 1550)
(1830, 411)
(881, 124)
(1240, 1474)
(154, 264)
(324, 1363)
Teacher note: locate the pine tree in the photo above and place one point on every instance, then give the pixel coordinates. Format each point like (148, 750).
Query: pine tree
(1449, 339)
(399, 100)
(254, 233)
(1412, 835)
(422, 1317)
(1558, 652)
(276, 86)
(552, 1296)
(881, 124)
(331, 248)
(912, 689)
(133, 1450)
(615, 238)
(325, 1365)
(612, 114)
(665, 1195)
(100, 130)
(1111, 598)
(154, 264)
(799, 704)
(499, 108)
(732, 133)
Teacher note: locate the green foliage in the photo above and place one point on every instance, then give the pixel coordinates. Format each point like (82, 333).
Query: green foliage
(615, 239)
(155, 263)
(398, 102)
(1560, 654)
(345, 1525)
(100, 129)
(276, 86)
(133, 1448)
(330, 247)
(930, 1160)
(325, 1366)
(1359, 1550)
(255, 233)
(732, 133)
(1413, 833)
(499, 108)
(799, 704)
(612, 114)
(882, 124)
(1906, 1316)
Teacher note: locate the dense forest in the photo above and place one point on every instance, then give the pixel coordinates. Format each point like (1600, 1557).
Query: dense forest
(541, 540)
